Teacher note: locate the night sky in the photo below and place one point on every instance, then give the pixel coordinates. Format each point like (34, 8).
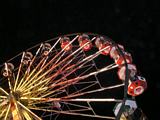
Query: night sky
(134, 24)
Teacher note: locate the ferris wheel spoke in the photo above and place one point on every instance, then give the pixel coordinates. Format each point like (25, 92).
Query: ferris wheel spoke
(3, 106)
(57, 41)
(3, 111)
(92, 82)
(3, 97)
(93, 100)
(79, 106)
(74, 113)
(29, 111)
(47, 100)
(19, 70)
(5, 92)
(76, 94)
(51, 114)
(7, 112)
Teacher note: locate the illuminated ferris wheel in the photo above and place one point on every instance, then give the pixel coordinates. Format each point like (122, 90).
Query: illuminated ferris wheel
(81, 74)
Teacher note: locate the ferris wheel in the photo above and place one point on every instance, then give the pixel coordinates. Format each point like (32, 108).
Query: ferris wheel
(83, 74)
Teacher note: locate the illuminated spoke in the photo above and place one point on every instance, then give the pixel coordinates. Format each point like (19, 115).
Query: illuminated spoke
(73, 113)
(7, 112)
(25, 108)
(1, 89)
(19, 70)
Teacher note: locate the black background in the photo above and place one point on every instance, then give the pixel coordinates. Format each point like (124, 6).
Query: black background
(135, 24)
